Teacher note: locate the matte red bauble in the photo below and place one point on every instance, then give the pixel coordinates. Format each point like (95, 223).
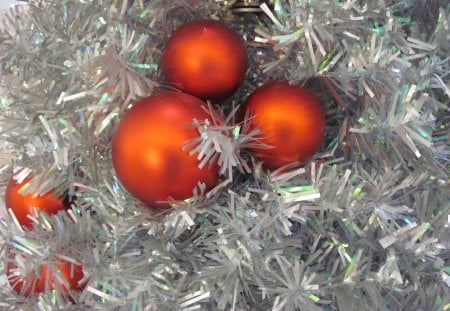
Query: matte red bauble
(291, 120)
(34, 282)
(147, 149)
(205, 58)
(23, 205)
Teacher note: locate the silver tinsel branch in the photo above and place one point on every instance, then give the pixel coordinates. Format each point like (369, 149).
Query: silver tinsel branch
(363, 226)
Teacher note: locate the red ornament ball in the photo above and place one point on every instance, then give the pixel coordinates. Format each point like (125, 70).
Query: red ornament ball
(205, 58)
(147, 149)
(23, 205)
(291, 120)
(35, 282)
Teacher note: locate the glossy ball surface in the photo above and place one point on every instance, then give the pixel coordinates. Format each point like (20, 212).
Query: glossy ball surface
(291, 120)
(34, 283)
(23, 205)
(205, 58)
(147, 149)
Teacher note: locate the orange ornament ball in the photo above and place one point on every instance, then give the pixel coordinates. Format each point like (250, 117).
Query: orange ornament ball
(147, 149)
(291, 121)
(23, 205)
(205, 58)
(33, 283)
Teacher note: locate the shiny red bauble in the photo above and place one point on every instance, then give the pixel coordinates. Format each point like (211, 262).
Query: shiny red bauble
(205, 58)
(23, 205)
(62, 274)
(147, 149)
(291, 121)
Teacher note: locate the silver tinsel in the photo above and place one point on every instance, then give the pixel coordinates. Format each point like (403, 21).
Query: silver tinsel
(362, 226)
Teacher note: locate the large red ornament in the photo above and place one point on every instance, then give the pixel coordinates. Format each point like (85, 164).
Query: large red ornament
(205, 58)
(23, 205)
(43, 278)
(147, 149)
(291, 120)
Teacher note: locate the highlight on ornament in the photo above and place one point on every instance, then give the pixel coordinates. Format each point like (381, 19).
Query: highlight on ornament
(148, 154)
(291, 121)
(24, 206)
(205, 58)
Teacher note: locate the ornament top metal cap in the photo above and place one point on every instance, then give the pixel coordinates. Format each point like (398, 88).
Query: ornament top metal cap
(247, 6)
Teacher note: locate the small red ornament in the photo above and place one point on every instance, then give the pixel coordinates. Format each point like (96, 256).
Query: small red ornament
(147, 149)
(205, 58)
(291, 120)
(43, 278)
(23, 205)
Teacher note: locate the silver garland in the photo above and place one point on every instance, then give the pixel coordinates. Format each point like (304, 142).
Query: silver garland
(363, 226)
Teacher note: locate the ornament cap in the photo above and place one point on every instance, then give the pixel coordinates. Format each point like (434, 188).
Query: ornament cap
(247, 6)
